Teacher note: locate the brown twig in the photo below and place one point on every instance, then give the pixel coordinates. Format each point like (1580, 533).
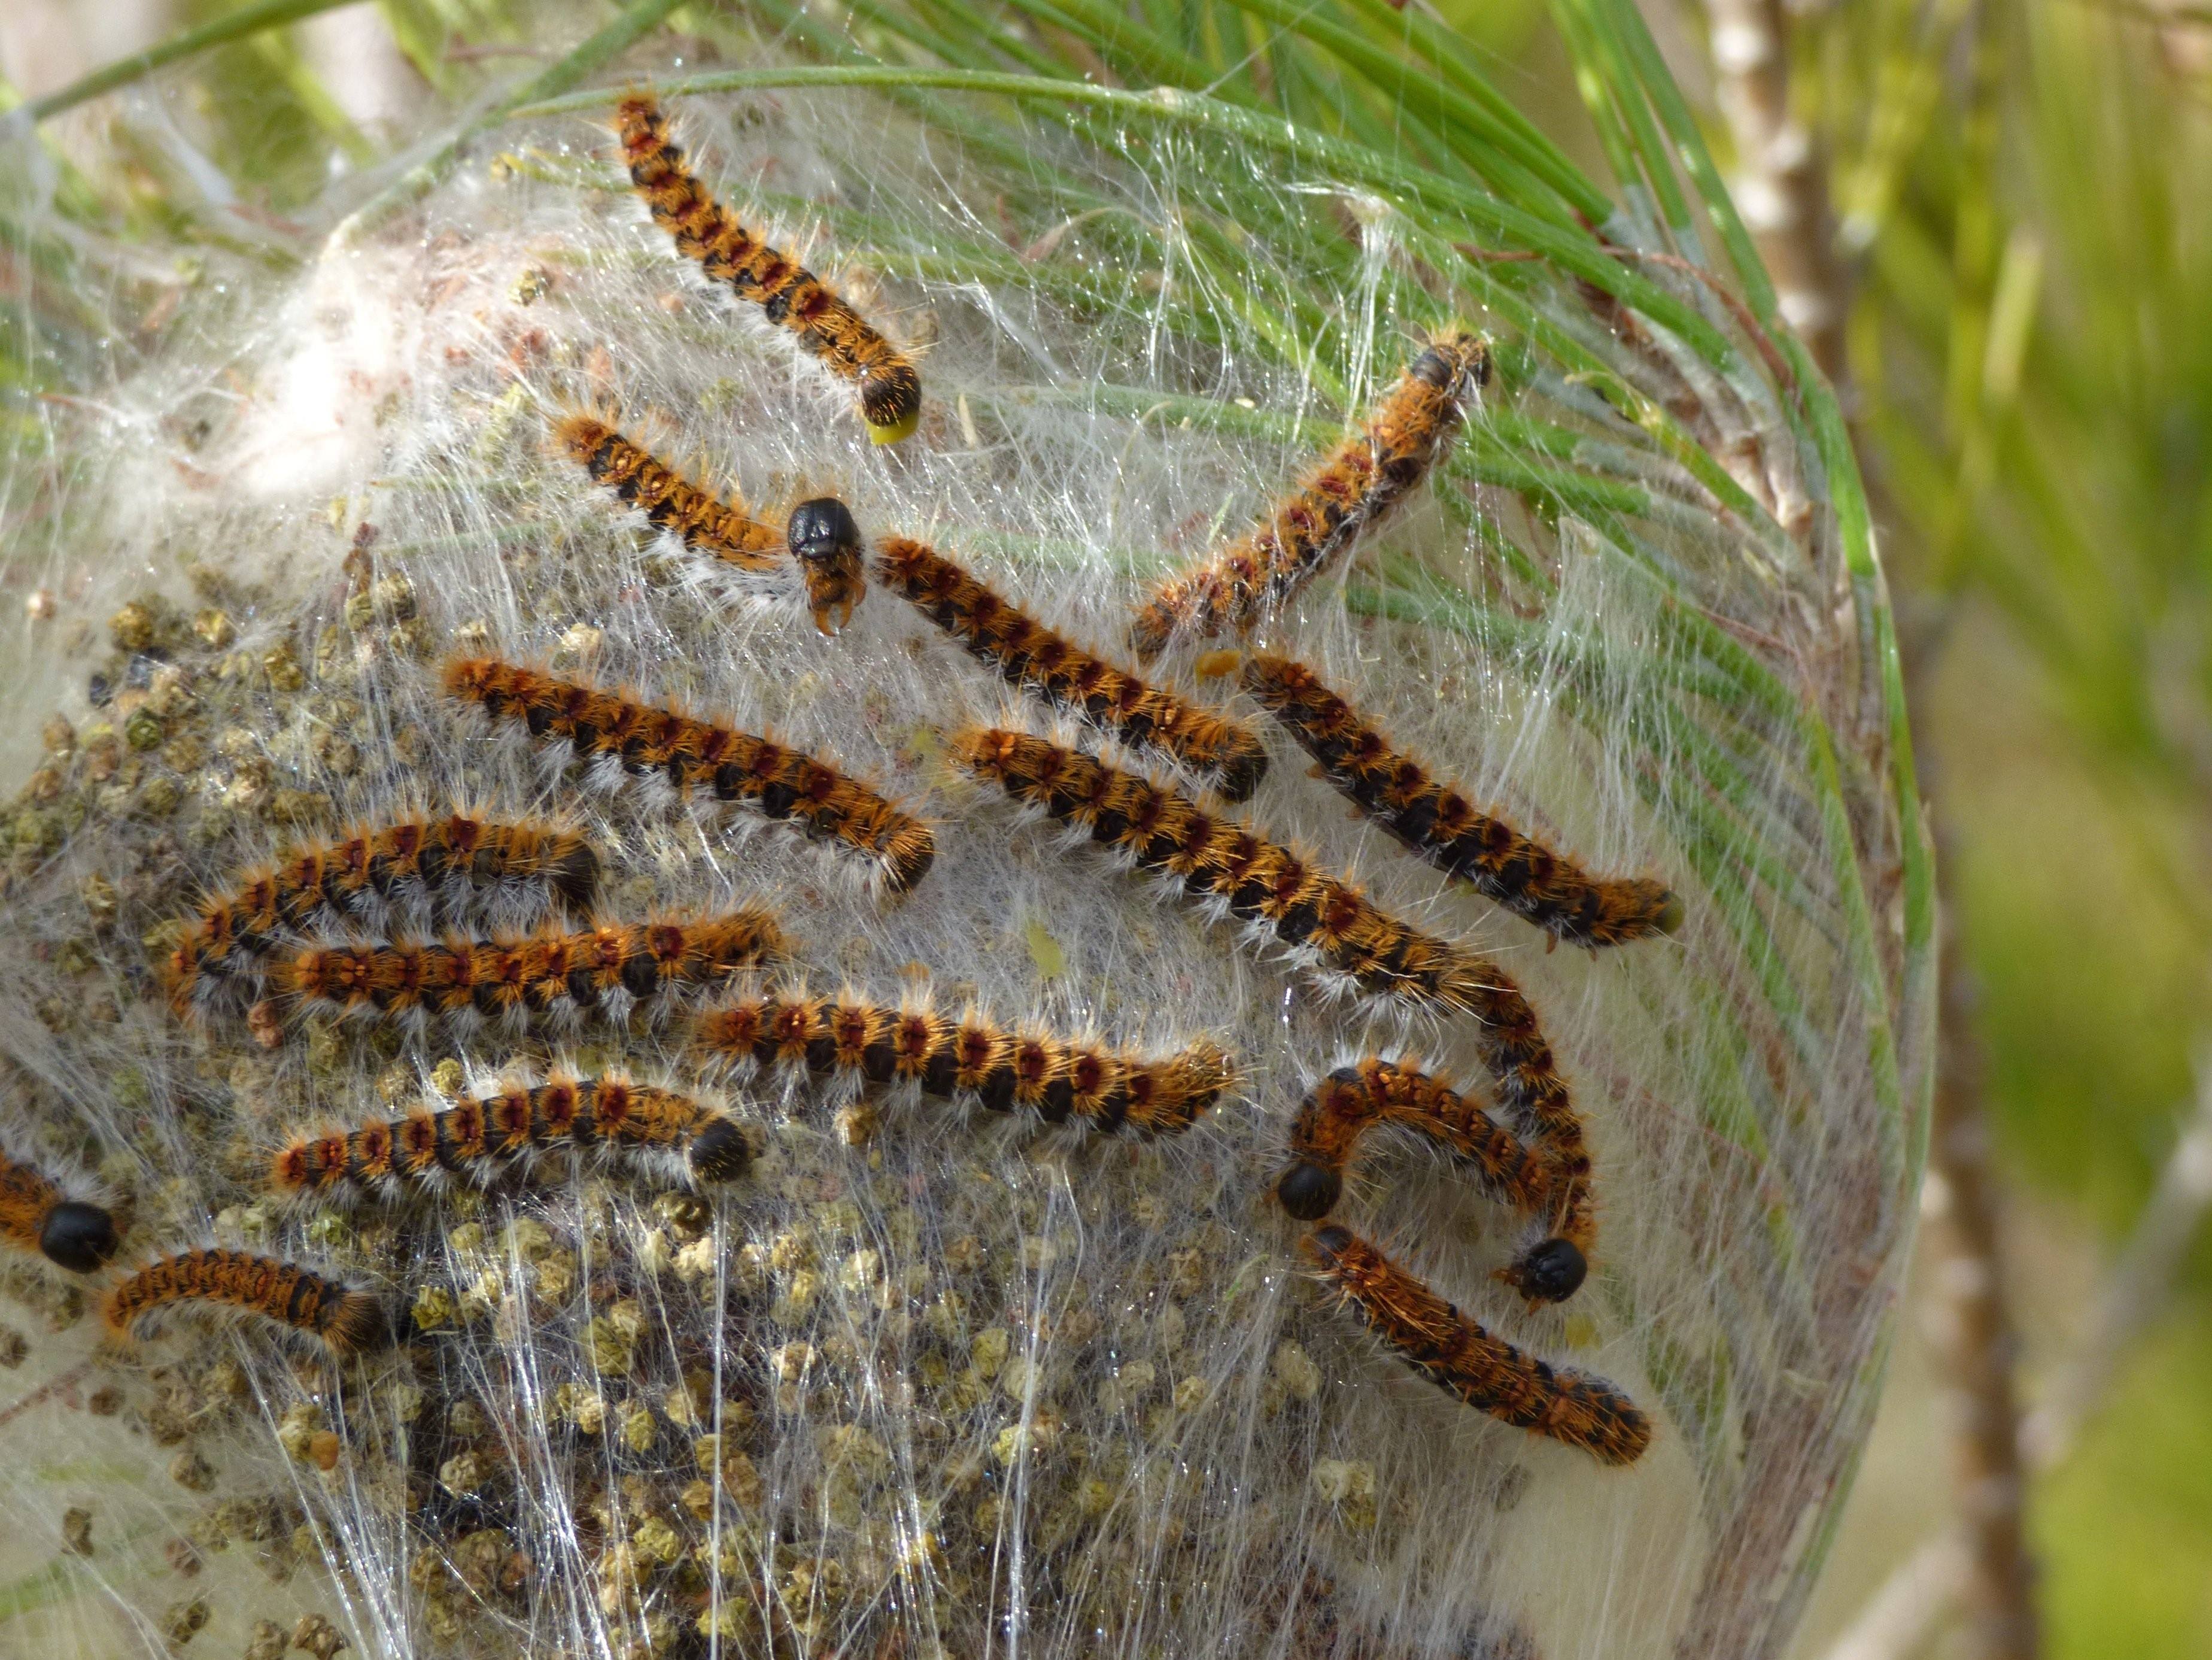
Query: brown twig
(1974, 1341)
(1898, 1618)
(1781, 185)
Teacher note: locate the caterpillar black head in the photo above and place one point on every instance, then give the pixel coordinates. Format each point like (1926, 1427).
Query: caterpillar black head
(78, 1237)
(823, 531)
(826, 542)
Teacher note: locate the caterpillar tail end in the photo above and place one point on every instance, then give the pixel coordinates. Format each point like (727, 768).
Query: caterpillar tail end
(361, 1324)
(1671, 915)
(893, 432)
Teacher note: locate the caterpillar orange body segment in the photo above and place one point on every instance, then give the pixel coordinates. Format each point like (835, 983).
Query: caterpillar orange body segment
(1437, 822)
(1464, 1361)
(625, 741)
(550, 975)
(789, 296)
(1218, 863)
(694, 516)
(347, 1321)
(430, 866)
(479, 1137)
(1350, 492)
(1226, 755)
(970, 1058)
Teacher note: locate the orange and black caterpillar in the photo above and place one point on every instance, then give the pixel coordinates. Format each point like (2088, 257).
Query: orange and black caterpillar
(820, 536)
(1533, 1176)
(791, 297)
(620, 741)
(35, 1215)
(551, 975)
(1438, 823)
(692, 514)
(1334, 932)
(425, 864)
(1463, 1359)
(1332, 928)
(1227, 756)
(347, 1321)
(969, 1058)
(480, 1136)
(1359, 483)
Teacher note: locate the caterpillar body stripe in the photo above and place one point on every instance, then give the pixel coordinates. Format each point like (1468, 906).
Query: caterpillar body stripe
(37, 1215)
(790, 296)
(1331, 928)
(619, 740)
(1464, 1361)
(692, 514)
(1439, 824)
(551, 975)
(1226, 755)
(1536, 1178)
(968, 1058)
(481, 1136)
(417, 866)
(1354, 489)
(344, 1320)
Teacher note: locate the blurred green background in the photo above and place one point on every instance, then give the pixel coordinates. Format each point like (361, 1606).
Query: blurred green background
(2022, 237)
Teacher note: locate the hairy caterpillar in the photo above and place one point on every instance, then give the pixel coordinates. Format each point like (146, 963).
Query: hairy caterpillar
(1366, 476)
(619, 740)
(788, 296)
(35, 1215)
(1333, 929)
(478, 1137)
(1539, 1179)
(549, 974)
(1227, 756)
(1463, 1359)
(419, 863)
(970, 1056)
(692, 514)
(1334, 933)
(1438, 823)
(347, 1321)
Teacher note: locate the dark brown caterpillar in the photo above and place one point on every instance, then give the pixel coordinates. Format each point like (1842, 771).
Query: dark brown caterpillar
(624, 742)
(1366, 476)
(35, 1215)
(1438, 823)
(549, 975)
(969, 1058)
(1228, 757)
(788, 296)
(1534, 1177)
(347, 1321)
(424, 864)
(1461, 1359)
(478, 1137)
